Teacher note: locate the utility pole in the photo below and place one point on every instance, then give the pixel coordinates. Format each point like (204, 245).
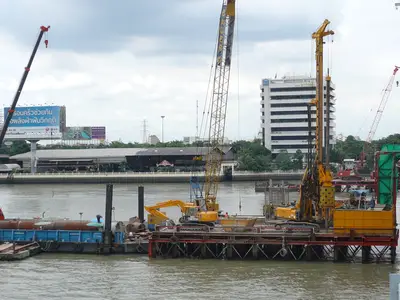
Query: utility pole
(144, 131)
(162, 129)
(197, 121)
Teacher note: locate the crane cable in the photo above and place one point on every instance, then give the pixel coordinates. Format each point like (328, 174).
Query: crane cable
(205, 116)
(238, 90)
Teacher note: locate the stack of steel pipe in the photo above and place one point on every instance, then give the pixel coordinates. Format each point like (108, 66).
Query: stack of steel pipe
(48, 225)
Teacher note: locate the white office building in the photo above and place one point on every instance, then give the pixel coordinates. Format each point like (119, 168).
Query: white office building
(284, 121)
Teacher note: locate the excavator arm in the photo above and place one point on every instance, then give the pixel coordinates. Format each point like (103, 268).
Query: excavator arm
(154, 209)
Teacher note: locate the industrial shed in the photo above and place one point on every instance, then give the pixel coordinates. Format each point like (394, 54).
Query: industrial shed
(112, 159)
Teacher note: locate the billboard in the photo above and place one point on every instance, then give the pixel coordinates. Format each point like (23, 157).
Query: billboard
(36, 122)
(84, 133)
(99, 133)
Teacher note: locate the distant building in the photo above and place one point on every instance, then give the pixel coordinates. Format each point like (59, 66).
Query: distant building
(153, 140)
(188, 140)
(122, 159)
(284, 120)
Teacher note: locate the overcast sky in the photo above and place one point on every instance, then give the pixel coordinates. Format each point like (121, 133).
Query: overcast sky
(116, 63)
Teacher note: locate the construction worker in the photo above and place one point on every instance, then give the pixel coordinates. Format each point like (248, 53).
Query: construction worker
(98, 217)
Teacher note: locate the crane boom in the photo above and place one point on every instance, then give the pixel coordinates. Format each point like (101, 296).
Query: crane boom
(43, 29)
(219, 102)
(378, 115)
(316, 190)
(319, 99)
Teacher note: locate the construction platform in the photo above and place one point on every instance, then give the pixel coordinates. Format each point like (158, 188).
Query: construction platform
(14, 251)
(74, 241)
(271, 243)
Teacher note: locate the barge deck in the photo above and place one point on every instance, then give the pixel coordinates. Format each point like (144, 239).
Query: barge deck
(265, 243)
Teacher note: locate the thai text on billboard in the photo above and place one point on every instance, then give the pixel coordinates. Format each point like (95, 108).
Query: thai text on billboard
(37, 116)
(35, 122)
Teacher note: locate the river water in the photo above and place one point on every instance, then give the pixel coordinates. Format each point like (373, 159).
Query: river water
(56, 276)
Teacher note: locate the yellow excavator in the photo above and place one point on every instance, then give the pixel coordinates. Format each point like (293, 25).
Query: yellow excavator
(191, 213)
(317, 193)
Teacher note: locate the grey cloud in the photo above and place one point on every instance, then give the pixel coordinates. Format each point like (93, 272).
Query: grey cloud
(104, 26)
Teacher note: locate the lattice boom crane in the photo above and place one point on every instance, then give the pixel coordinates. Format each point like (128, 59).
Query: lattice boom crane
(219, 102)
(378, 115)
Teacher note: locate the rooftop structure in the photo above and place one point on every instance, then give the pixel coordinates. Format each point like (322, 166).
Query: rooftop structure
(140, 156)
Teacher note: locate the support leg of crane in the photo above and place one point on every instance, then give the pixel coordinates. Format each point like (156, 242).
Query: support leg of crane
(229, 251)
(393, 254)
(174, 251)
(340, 253)
(203, 250)
(366, 254)
(254, 250)
(151, 250)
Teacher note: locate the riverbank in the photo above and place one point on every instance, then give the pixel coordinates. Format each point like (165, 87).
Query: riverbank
(130, 177)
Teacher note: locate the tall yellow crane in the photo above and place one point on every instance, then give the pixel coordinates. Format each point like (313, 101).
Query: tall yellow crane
(219, 105)
(316, 191)
(205, 209)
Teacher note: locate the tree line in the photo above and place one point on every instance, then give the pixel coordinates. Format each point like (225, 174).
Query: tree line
(251, 155)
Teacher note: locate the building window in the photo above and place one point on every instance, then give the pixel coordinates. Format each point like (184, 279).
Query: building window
(294, 89)
(290, 120)
(292, 97)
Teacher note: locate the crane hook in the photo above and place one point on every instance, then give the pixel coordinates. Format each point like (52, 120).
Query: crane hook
(46, 42)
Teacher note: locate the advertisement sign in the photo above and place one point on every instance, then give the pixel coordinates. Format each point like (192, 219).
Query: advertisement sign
(84, 133)
(99, 133)
(35, 122)
(77, 133)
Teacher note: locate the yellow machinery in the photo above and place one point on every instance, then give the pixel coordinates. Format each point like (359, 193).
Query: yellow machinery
(317, 193)
(205, 209)
(380, 221)
(190, 213)
(219, 105)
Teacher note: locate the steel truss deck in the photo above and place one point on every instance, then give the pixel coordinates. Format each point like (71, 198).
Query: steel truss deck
(272, 245)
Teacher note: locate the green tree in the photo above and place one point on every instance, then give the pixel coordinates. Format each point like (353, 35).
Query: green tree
(298, 160)
(252, 156)
(283, 161)
(19, 147)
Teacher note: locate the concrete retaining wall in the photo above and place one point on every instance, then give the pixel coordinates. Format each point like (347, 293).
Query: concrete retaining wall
(122, 177)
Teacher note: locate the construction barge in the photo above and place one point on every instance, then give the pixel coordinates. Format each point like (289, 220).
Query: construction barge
(274, 243)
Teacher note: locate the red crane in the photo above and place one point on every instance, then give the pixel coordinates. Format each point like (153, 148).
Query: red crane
(43, 30)
(378, 116)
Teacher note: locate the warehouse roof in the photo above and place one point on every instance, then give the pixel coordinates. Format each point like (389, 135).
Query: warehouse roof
(114, 152)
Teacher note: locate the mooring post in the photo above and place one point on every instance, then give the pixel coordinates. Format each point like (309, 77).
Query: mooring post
(141, 203)
(108, 218)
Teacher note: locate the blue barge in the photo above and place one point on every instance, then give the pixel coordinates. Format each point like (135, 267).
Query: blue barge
(74, 241)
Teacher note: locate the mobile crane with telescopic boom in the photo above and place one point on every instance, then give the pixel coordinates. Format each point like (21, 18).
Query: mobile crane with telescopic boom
(11, 110)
